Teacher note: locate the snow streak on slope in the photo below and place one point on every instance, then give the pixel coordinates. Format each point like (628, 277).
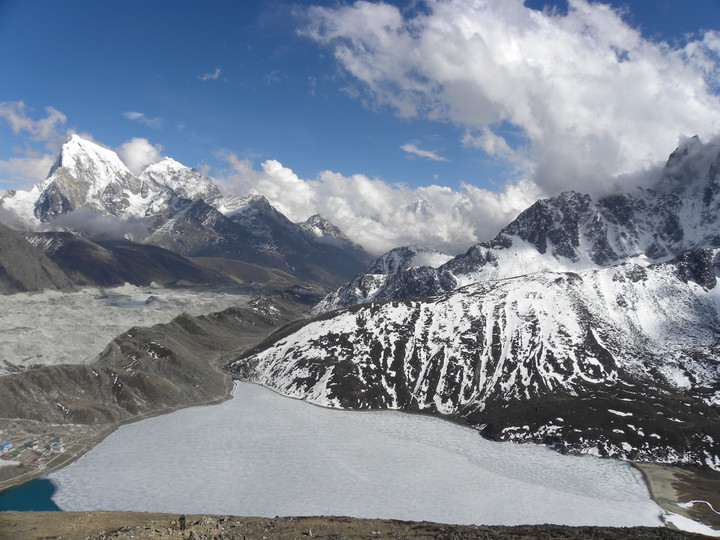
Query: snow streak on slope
(264, 455)
(73, 328)
(510, 356)
(401, 272)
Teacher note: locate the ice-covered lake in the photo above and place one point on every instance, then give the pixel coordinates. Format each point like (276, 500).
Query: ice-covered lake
(52, 327)
(262, 454)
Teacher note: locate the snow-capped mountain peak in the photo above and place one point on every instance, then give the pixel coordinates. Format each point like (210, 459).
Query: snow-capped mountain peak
(320, 226)
(185, 181)
(165, 165)
(403, 258)
(83, 158)
(85, 175)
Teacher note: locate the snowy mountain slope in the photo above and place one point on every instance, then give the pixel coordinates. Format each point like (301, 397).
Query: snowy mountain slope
(185, 211)
(620, 362)
(400, 273)
(572, 232)
(183, 181)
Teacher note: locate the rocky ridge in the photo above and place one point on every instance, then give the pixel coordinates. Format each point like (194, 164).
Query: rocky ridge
(127, 525)
(573, 232)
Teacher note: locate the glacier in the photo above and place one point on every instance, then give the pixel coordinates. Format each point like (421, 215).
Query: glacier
(53, 327)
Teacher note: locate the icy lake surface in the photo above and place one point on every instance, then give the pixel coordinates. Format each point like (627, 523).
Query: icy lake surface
(52, 327)
(262, 454)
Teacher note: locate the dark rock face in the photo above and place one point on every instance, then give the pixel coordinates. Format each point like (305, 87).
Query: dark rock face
(24, 268)
(699, 267)
(109, 263)
(555, 221)
(621, 362)
(258, 234)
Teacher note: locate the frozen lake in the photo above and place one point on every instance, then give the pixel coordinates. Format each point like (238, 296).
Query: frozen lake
(261, 454)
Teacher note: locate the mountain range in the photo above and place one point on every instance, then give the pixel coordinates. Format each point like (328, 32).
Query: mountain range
(588, 325)
(91, 191)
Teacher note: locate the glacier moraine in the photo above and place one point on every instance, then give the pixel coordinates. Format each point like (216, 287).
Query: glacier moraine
(262, 454)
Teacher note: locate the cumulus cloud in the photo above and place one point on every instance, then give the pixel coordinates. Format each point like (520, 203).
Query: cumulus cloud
(381, 216)
(591, 97)
(44, 129)
(142, 119)
(28, 169)
(214, 76)
(412, 149)
(138, 153)
(30, 165)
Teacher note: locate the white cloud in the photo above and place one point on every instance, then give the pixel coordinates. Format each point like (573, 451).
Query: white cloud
(380, 216)
(138, 153)
(99, 226)
(28, 169)
(30, 165)
(412, 149)
(44, 129)
(214, 76)
(142, 119)
(591, 97)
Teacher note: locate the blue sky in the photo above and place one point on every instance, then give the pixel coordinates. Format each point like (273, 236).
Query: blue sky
(278, 94)
(319, 86)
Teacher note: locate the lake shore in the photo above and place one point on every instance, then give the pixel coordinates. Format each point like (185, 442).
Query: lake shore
(669, 486)
(673, 486)
(145, 526)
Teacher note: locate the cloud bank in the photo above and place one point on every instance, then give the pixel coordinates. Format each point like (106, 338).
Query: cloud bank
(381, 216)
(590, 97)
(98, 227)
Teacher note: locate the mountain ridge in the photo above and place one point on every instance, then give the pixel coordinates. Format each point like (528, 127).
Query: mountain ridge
(572, 232)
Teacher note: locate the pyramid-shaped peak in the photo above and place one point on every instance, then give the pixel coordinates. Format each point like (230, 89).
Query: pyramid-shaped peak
(79, 154)
(321, 226)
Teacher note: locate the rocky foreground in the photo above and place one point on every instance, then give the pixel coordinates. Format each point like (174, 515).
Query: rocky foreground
(139, 526)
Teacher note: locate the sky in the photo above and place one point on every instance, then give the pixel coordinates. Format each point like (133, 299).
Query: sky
(425, 121)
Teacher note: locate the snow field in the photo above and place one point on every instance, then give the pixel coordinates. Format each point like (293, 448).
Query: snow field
(261, 454)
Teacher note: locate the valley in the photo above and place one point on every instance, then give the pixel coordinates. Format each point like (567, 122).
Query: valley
(586, 330)
(81, 403)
